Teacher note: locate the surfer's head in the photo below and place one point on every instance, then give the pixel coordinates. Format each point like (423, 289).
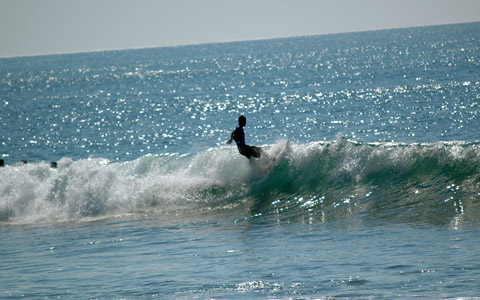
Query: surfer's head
(242, 121)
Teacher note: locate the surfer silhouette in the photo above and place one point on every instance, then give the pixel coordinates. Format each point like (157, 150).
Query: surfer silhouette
(239, 137)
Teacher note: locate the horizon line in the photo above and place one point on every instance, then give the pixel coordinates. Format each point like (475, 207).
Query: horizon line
(230, 41)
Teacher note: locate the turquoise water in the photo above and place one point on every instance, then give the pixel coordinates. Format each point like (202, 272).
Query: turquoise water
(377, 195)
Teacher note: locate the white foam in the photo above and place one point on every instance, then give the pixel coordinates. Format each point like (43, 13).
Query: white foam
(97, 187)
(173, 183)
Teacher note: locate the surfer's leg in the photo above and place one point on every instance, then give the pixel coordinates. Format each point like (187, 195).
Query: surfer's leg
(256, 151)
(249, 151)
(245, 151)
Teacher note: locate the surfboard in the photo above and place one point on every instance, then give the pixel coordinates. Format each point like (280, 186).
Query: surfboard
(274, 155)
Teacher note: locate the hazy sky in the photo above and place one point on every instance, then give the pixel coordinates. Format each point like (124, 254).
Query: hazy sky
(32, 27)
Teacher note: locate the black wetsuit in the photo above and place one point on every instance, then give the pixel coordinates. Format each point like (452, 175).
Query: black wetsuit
(244, 149)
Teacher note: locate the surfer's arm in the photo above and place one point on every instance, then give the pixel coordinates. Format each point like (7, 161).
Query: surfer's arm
(231, 138)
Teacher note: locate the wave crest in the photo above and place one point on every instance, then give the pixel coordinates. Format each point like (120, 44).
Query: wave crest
(321, 181)
(318, 181)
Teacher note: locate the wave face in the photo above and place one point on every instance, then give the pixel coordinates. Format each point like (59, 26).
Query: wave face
(437, 183)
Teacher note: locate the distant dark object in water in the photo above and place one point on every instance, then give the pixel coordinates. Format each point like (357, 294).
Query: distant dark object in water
(53, 164)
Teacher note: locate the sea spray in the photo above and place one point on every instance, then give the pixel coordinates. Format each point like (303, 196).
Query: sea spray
(96, 187)
(411, 181)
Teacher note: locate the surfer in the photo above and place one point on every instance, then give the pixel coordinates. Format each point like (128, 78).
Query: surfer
(239, 137)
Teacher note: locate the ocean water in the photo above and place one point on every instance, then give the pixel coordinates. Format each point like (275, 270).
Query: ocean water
(377, 195)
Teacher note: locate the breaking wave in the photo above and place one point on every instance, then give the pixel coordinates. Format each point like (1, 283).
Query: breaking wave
(315, 182)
